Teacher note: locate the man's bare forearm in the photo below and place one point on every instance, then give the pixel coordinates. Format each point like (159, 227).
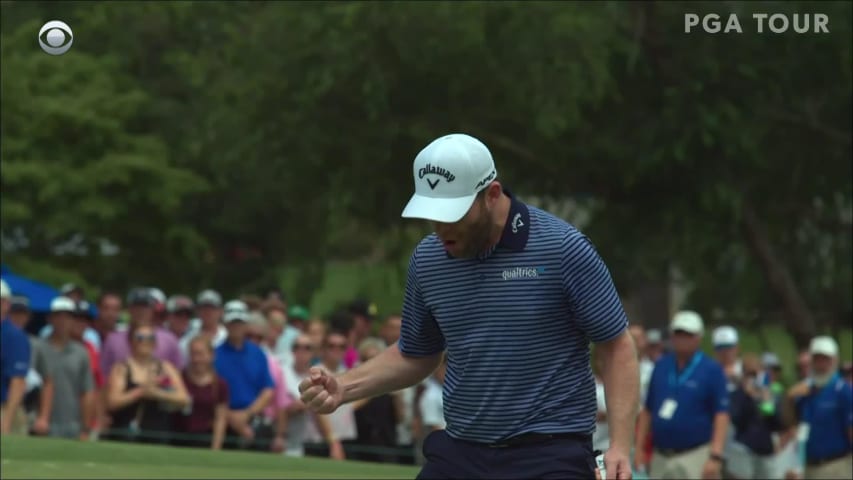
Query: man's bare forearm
(621, 389)
(14, 399)
(718, 437)
(46, 400)
(387, 372)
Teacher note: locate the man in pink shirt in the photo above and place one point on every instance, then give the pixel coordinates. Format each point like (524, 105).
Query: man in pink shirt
(140, 307)
(273, 424)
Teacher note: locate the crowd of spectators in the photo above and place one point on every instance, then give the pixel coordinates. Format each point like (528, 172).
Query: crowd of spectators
(224, 375)
(202, 373)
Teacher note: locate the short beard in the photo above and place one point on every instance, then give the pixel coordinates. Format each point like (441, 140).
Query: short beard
(481, 231)
(821, 380)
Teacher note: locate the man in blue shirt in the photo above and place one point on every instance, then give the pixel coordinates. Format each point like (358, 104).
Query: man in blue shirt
(686, 408)
(824, 407)
(243, 365)
(14, 364)
(514, 295)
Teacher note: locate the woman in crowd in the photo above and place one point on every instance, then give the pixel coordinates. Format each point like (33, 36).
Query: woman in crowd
(316, 330)
(143, 391)
(202, 424)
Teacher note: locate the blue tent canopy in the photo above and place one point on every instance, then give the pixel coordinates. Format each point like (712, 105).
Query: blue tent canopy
(39, 294)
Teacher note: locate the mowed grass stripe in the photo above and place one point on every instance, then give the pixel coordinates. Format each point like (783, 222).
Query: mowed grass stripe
(24, 457)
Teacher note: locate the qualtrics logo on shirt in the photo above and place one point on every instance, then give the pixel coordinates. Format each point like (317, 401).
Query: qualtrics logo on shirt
(522, 272)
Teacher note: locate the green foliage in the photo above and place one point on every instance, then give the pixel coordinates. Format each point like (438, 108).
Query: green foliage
(218, 143)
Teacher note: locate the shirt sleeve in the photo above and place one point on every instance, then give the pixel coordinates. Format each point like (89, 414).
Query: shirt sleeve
(719, 391)
(86, 380)
(18, 353)
(651, 393)
(420, 335)
(282, 399)
(108, 354)
(40, 363)
(847, 404)
(590, 291)
(176, 357)
(266, 375)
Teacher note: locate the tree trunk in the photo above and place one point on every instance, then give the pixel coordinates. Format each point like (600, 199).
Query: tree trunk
(798, 317)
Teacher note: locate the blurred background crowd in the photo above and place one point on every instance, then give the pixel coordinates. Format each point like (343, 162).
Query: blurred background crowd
(208, 373)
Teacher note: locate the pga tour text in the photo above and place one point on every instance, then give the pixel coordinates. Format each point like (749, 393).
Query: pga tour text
(758, 23)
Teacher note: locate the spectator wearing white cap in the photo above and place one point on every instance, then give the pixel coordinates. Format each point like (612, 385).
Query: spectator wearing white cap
(72, 411)
(823, 407)
(686, 408)
(271, 426)
(39, 378)
(246, 369)
(725, 341)
(654, 345)
(14, 365)
(209, 322)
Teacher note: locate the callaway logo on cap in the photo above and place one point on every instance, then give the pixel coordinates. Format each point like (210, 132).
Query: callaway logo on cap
(449, 173)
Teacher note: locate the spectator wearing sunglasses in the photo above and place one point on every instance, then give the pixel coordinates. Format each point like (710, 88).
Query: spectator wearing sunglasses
(179, 313)
(343, 419)
(144, 391)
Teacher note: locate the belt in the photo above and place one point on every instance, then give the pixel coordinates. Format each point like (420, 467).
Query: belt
(821, 461)
(671, 452)
(534, 438)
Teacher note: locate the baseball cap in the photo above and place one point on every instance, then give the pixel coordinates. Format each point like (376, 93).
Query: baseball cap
(19, 304)
(179, 303)
(236, 310)
(83, 310)
(687, 321)
(724, 337)
(448, 174)
(209, 298)
(70, 288)
(257, 319)
(824, 345)
(5, 291)
(140, 296)
(298, 311)
(654, 336)
(770, 360)
(63, 304)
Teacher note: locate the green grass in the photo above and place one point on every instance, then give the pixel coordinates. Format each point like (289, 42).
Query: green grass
(28, 457)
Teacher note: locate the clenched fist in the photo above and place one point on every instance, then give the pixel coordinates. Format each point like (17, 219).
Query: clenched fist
(321, 392)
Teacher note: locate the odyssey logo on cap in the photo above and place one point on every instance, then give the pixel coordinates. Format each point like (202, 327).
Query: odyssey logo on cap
(466, 166)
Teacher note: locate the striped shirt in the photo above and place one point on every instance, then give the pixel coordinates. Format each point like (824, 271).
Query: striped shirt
(516, 323)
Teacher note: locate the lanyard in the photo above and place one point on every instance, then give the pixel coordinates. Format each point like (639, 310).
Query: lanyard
(685, 374)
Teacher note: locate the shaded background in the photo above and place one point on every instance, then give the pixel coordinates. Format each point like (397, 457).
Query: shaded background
(246, 144)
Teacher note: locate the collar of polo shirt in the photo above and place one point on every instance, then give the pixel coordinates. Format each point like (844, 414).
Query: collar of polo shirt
(516, 230)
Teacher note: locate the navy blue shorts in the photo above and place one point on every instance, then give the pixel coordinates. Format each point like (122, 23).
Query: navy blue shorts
(560, 458)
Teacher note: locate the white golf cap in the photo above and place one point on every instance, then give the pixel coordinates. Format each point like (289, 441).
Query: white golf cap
(63, 304)
(449, 172)
(654, 336)
(687, 321)
(824, 346)
(210, 298)
(5, 291)
(770, 360)
(724, 337)
(236, 310)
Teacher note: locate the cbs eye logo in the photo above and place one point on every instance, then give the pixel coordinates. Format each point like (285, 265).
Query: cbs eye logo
(55, 37)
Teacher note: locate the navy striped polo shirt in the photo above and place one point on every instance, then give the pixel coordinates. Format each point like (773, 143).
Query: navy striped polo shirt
(516, 323)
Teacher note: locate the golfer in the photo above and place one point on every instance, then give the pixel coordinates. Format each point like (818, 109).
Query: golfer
(514, 295)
